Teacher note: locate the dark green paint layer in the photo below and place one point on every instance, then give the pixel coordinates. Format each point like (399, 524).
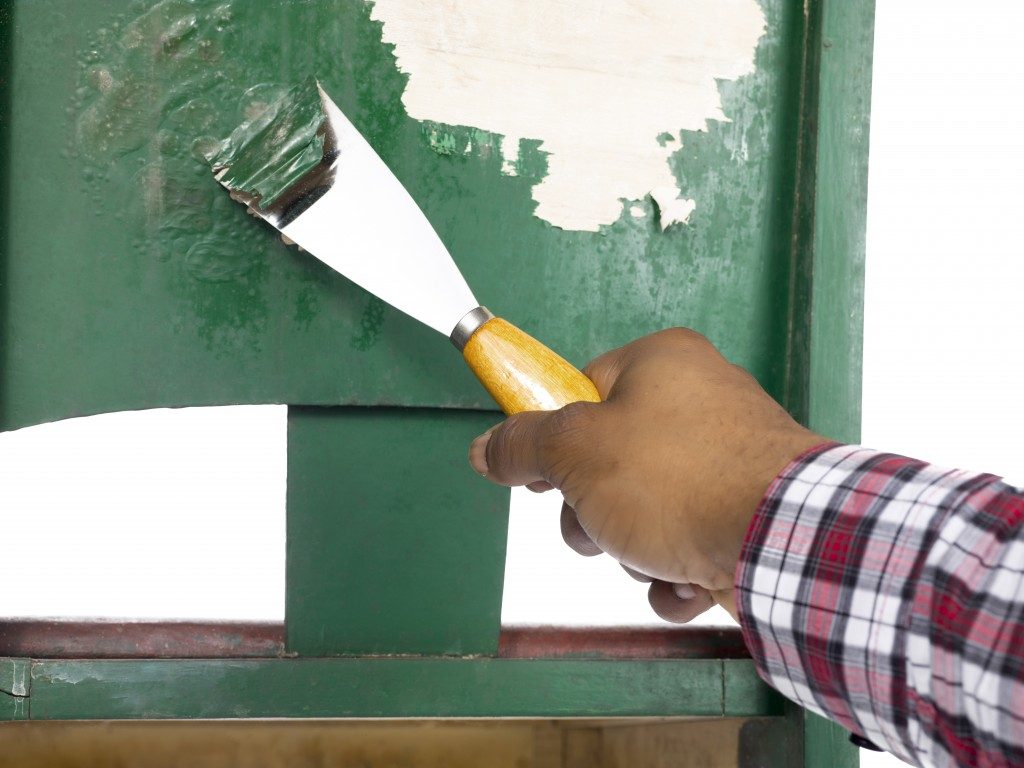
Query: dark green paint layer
(395, 546)
(132, 280)
(384, 688)
(6, 179)
(268, 153)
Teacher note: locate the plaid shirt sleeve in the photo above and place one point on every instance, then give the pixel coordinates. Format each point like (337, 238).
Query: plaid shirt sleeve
(888, 594)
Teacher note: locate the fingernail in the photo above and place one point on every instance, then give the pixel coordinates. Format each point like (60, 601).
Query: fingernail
(684, 591)
(478, 454)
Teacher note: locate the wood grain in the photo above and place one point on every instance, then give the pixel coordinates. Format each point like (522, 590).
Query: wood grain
(520, 373)
(573, 743)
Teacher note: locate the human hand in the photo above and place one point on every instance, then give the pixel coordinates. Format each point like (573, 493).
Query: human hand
(665, 474)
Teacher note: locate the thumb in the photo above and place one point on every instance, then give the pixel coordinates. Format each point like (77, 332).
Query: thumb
(533, 446)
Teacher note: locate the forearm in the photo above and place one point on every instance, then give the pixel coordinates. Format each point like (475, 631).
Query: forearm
(889, 595)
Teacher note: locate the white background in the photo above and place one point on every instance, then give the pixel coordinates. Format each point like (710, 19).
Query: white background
(179, 514)
(944, 318)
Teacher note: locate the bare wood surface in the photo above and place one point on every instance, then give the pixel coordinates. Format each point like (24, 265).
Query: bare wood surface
(419, 744)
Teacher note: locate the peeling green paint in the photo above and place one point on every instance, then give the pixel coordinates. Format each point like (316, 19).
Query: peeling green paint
(14, 677)
(130, 268)
(276, 147)
(445, 143)
(15, 688)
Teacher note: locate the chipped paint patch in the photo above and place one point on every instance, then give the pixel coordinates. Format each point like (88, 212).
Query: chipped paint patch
(14, 677)
(509, 155)
(606, 88)
(444, 143)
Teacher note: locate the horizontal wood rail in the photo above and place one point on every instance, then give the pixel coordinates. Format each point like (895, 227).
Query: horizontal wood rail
(63, 639)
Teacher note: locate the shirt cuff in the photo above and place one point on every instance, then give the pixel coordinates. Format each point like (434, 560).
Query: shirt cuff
(813, 592)
(886, 594)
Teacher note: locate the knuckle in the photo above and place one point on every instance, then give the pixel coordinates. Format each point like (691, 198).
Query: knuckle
(565, 442)
(502, 443)
(595, 370)
(595, 366)
(686, 336)
(604, 365)
(570, 423)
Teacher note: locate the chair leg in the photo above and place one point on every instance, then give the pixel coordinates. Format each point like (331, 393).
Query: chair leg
(827, 744)
(798, 740)
(395, 546)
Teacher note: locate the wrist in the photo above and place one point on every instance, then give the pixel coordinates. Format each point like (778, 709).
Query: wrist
(764, 463)
(799, 449)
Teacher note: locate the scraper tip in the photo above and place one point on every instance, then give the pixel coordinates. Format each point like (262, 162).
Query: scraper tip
(281, 160)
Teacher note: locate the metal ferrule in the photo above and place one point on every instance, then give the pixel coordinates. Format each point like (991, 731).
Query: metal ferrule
(469, 325)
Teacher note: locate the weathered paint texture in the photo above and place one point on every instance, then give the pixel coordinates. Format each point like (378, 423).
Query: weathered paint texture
(385, 687)
(599, 85)
(131, 279)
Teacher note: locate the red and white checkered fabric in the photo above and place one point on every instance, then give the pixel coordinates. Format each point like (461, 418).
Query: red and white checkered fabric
(888, 594)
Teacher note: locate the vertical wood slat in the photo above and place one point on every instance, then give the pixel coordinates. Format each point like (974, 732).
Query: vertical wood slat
(843, 114)
(395, 546)
(843, 53)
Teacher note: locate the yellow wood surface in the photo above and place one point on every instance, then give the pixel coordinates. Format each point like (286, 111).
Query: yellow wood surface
(520, 373)
(373, 744)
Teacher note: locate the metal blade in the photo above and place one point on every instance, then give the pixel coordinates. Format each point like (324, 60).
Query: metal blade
(368, 228)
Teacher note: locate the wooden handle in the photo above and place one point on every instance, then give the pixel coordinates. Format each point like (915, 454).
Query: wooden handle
(522, 374)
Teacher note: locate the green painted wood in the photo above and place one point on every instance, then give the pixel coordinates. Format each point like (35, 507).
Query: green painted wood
(13, 708)
(131, 280)
(14, 677)
(844, 53)
(827, 744)
(15, 687)
(744, 693)
(799, 739)
(383, 687)
(774, 742)
(128, 280)
(394, 544)
(829, 288)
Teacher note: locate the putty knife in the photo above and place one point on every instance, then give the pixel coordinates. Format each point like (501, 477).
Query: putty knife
(303, 167)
